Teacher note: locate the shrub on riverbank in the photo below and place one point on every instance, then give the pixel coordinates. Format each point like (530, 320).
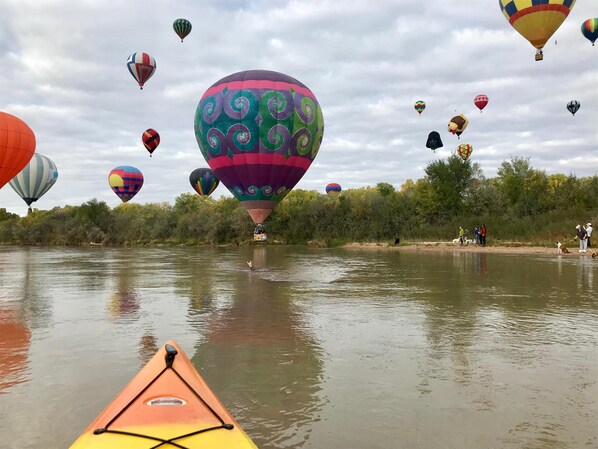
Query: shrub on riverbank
(521, 205)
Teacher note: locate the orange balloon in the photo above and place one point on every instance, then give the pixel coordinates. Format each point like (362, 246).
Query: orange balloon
(17, 145)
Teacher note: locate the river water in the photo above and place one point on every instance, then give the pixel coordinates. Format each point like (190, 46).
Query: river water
(316, 348)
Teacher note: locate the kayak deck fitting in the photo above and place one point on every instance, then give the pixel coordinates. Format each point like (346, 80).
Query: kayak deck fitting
(167, 404)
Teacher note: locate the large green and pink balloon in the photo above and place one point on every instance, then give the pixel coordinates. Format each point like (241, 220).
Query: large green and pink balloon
(259, 131)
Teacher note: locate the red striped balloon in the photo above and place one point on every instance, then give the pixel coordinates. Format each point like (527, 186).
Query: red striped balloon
(141, 66)
(151, 140)
(480, 101)
(333, 188)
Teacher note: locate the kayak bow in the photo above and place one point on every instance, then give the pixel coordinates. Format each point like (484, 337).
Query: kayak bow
(166, 405)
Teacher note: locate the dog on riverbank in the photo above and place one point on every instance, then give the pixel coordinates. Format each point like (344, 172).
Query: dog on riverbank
(466, 241)
(561, 249)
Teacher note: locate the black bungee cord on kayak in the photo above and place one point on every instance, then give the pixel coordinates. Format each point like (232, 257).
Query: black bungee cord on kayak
(171, 352)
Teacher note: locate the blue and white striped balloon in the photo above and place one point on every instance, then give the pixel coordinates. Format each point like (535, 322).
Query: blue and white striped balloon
(35, 179)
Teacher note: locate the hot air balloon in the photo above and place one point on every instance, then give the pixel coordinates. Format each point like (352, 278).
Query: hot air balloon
(203, 181)
(126, 181)
(458, 124)
(590, 30)
(464, 151)
(480, 101)
(536, 20)
(259, 131)
(17, 144)
(333, 188)
(35, 179)
(141, 66)
(434, 141)
(182, 27)
(419, 106)
(573, 106)
(151, 140)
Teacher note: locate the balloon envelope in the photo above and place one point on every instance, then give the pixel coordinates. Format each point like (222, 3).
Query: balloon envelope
(203, 181)
(464, 151)
(151, 140)
(17, 144)
(573, 106)
(434, 141)
(480, 101)
(141, 66)
(590, 30)
(259, 131)
(125, 181)
(333, 188)
(458, 124)
(536, 20)
(419, 106)
(38, 176)
(182, 27)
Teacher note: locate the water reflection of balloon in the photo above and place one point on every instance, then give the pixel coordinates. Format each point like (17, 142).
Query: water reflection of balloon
(182, 27)
(203, 181)
(259, 131)
(536, 20)
(148, 346)
(333, 188)
(573, 106)
(125, 181)
(151, 140)
(141, 66)
(281, 362)
(38, 176)
(124, 303)
(590, 30)
(17, 144)
(434, 141)
(14, 349)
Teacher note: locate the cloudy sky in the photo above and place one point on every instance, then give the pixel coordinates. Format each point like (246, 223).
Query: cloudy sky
(63, 71)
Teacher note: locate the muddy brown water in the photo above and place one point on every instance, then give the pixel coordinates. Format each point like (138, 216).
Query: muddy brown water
(316, 348)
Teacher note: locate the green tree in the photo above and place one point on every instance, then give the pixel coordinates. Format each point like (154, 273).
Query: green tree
(523, 187)
(450, 182)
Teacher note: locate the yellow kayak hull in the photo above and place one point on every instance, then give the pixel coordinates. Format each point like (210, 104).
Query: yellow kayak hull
(167, 405)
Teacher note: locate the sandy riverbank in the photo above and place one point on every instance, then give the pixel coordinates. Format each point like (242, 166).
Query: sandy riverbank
(450, 247)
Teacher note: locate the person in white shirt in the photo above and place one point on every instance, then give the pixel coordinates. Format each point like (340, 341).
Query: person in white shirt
(589, 230)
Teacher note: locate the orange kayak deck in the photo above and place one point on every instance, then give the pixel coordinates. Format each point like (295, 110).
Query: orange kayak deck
(166, 405)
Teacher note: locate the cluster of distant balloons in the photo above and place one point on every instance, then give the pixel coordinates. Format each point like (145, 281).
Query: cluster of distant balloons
(258, 130)
(536, 21)
(456, 126)
(126, 181)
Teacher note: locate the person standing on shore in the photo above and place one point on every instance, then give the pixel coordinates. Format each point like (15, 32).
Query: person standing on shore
(476, 235)
(589, 230)
(461, 234)
(582, 235)
(483, 232)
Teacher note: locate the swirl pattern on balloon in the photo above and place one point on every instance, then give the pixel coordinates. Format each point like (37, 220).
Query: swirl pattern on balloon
(259, 131)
